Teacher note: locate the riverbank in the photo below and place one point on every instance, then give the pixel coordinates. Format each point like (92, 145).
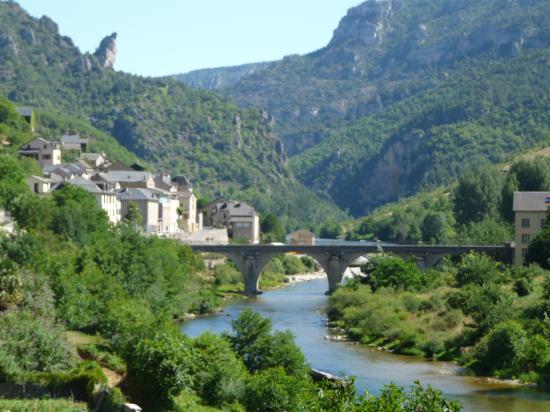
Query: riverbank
(300, 308)
(466, 313)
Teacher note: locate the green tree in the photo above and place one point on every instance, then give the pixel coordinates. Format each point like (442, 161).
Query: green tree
(477, 195)
(272, 229)
(531, 175)
(478, 269)
(133, 216)
(159, 369)
(77, 214)
(502, 348)
(434, 226)
(393, 271)
(219, 375)
(275, 391)
(260, 349)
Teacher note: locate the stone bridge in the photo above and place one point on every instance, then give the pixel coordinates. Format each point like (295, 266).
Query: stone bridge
(335, 259)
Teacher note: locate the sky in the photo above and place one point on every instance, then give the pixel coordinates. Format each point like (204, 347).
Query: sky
(161, 37)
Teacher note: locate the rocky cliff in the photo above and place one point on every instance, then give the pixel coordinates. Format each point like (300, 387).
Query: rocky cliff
(106, 52)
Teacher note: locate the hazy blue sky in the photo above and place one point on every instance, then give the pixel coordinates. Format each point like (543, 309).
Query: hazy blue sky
(171, 36)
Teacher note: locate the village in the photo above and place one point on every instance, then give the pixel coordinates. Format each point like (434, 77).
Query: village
(167, 204)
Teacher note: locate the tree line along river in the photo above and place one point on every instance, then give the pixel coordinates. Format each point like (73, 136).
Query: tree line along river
(300, 308)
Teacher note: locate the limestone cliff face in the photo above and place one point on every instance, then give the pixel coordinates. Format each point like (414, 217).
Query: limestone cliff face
(106, 52)
(364, 24)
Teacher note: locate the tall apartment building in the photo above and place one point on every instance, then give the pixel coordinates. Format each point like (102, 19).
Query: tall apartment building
(530, 211)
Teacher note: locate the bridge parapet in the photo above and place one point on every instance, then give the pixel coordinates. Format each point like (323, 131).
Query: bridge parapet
(335, 259)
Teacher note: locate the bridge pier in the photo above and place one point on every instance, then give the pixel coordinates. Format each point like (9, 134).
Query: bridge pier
(250, 265)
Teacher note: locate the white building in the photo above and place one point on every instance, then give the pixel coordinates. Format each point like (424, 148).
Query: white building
(40, 185)
(147, 204)
(530, 212)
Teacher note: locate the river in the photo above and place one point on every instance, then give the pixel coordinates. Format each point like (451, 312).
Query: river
(300, 308)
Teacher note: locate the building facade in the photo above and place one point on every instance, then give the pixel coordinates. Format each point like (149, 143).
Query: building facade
(530, 211)
(44, 152)
(301, 238)
(241, 220)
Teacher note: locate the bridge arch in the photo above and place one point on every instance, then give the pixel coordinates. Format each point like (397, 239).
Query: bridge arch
(252, 263)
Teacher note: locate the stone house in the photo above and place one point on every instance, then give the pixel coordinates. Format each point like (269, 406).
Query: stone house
(74, 142)
(301, 237)
(147, 204)
(240, 219)
(40, 185)
(44, 152)
(127, 179)
(530, 211)
(191, 218)
(95, 160)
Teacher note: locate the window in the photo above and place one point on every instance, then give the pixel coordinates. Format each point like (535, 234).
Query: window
(525, 222)
(46, 156)
(542, 222)
(36, 188)
(523, 252)
(525, 238)
(242, 224)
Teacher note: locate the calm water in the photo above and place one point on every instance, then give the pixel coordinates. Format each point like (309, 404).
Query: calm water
(300, 309)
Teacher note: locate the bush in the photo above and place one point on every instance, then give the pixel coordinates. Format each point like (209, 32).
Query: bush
(31, 344)
(274, 390)
(261, 349)
(393, 271)
(501, 349)
(477, 269)
(160, 369)
(79, 383)
(220, 375)
(394, 398)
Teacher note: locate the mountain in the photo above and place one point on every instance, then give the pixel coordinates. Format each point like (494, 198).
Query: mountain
(220, 77)
(225, 150)
(408, 94)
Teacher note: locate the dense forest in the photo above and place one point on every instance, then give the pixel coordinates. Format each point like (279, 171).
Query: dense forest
(226, 151)
(88, 311)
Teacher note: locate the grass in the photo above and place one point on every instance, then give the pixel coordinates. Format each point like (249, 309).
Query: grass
(41, 405)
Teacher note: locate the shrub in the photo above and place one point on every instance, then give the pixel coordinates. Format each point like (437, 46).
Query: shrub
(501, 349)
(220, 375)
(160, 369)
(261, 349)
(478, 269)
(392, 271)
(31, 344)
(274, 390)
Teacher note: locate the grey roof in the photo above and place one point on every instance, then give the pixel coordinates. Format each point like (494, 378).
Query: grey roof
(182, 182)
(235, 208)
(90, 156)
(42, 179)
(85, 184)
(65, 169)
(73, 138)
(163, 181)
(531, 201)
(136, 194)
(124, 176)
(25, 111)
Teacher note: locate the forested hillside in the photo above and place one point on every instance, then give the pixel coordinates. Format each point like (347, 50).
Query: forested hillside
(409, 94)
(225, 150)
